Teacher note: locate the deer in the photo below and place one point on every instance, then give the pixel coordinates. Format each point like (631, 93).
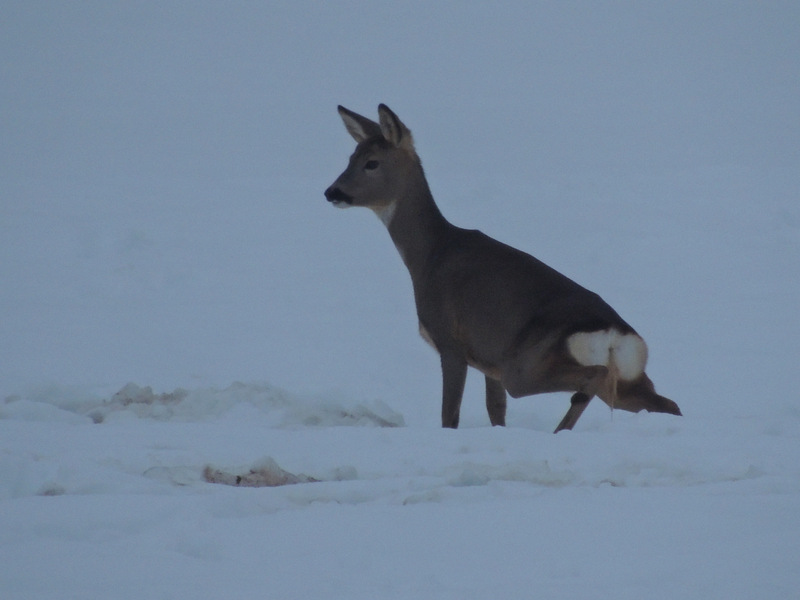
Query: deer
(486, 305)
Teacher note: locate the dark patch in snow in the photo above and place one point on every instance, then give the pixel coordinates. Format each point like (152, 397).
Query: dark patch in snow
(266, 474)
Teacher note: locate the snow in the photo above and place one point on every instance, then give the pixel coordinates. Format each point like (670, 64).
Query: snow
(182, 310)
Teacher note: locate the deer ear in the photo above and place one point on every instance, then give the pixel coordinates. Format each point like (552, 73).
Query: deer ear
(393, 129)
(361, 128)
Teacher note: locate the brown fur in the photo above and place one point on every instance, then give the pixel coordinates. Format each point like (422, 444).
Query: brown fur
(480, 302)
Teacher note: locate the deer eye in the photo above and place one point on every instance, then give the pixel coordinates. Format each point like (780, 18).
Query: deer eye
(371, 165)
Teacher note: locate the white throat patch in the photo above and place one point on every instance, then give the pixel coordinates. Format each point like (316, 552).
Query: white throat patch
(386, 213)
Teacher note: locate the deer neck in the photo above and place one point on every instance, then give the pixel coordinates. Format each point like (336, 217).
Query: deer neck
(415, 225)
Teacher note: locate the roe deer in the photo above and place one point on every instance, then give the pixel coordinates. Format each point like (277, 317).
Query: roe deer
(480, 303)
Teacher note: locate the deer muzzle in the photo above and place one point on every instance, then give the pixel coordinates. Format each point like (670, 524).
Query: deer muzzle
(336, 196)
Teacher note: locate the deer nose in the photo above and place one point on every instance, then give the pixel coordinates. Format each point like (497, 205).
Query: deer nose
(336, 195)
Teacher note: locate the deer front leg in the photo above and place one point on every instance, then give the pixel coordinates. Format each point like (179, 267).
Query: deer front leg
(454, 374)
(496, 401)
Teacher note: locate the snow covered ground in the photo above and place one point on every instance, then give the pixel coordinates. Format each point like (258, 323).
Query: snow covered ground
(181, 309)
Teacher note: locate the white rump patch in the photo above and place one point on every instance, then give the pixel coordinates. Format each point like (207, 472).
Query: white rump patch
(610, 348)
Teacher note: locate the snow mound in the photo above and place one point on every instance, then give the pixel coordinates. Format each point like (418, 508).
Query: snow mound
(264, 403)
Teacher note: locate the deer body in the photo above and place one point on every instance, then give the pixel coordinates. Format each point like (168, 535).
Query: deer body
(480, 303)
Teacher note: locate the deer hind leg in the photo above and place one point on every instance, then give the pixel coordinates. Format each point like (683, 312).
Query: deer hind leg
(577, 405)
(496, 401)
(594, 379)
(640, 394)
(586, 381)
